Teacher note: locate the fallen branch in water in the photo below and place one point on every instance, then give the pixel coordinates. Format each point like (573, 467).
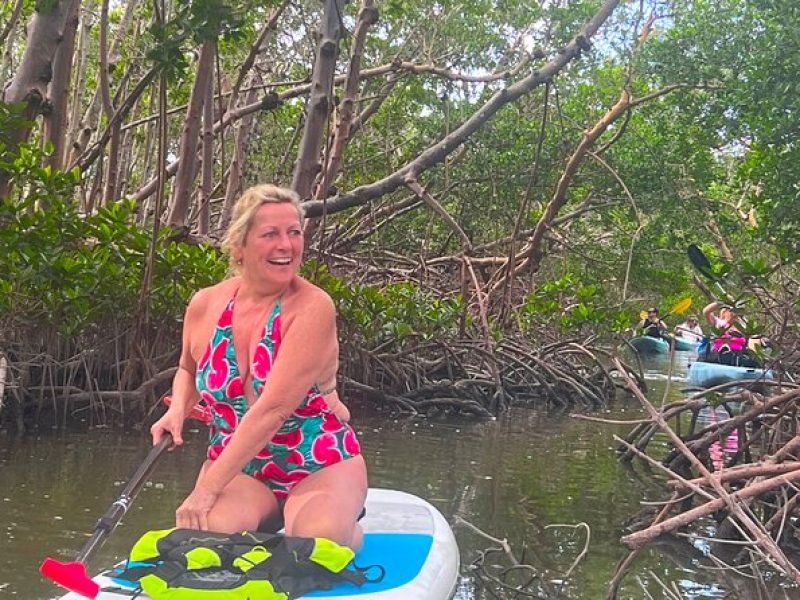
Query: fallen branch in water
(499, 569)
(752, 500)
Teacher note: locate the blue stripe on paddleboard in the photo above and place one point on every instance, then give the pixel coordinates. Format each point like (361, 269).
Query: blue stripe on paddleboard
(402, 555)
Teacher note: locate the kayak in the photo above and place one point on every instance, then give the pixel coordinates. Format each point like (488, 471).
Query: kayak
(404, 534)
(704, 374)
(646, 344)
(682, 345)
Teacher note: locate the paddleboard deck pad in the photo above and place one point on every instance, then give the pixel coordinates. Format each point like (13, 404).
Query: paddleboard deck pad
(404, 534)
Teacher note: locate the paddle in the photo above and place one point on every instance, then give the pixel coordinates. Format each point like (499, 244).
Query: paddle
(680, 308)
(700, 262)
(72, 575)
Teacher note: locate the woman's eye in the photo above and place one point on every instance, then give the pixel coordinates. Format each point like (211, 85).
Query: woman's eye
(295, 232)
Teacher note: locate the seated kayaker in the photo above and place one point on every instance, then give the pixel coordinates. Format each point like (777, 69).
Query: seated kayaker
(729, 346)
(652, 326)
(689, 330)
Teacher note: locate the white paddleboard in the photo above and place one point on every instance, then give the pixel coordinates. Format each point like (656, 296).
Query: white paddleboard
(404, 534)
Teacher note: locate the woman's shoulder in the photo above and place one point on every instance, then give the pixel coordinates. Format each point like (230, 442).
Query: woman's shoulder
(309, 299)
(213, 294)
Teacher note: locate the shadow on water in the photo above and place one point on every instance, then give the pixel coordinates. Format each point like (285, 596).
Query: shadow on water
(511, 478)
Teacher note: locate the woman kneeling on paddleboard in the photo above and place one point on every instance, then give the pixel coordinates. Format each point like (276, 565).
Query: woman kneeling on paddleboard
(260, 349)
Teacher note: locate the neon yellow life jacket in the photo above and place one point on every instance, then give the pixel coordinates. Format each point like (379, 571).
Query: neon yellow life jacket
(186, 564)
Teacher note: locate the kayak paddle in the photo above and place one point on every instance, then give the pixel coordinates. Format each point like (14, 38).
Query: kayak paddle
(72, 575)
(700, 262)
(680, 308)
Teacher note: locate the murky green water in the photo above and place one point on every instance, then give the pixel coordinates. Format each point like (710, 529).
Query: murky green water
(511, 478)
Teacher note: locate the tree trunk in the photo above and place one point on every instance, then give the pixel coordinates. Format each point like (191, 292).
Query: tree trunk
(320, 100)
(80, 67)
(55, 123)
(206, 180)
(7, 60)
(187, 168)
(29, 84)
(367, 16)
(240, 145)
(92, 115)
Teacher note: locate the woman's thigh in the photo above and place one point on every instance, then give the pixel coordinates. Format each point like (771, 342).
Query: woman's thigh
(327, 502)
(244, 504)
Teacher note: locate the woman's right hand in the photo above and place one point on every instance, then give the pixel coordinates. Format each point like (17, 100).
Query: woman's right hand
(171, 422)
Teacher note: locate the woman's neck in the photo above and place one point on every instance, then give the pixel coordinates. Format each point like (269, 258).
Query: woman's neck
(259, 291)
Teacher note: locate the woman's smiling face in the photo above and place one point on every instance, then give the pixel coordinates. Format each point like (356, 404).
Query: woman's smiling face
(273, 246)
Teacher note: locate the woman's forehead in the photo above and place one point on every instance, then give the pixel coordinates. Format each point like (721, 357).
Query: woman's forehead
(276, 214)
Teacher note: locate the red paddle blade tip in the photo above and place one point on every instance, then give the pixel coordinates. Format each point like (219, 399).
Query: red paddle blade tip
(71, 576)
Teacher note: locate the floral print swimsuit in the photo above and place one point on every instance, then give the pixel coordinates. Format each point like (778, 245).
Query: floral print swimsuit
(312, 438)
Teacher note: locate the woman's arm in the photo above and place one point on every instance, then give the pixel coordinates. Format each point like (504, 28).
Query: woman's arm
(708, 313)
(307, 348)
(184, 392)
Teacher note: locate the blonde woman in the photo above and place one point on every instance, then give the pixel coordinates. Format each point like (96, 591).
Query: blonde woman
(261, 350)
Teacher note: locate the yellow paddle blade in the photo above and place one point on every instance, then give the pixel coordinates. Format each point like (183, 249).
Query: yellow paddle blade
(681, 307)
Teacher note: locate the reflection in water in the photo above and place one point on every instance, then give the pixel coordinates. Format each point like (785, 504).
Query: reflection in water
(510, 477)
(722, 449)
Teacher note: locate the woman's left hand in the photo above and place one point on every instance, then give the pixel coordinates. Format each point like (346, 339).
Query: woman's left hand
(193, 513)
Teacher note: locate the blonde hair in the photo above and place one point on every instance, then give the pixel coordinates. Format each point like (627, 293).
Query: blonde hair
(245, 209)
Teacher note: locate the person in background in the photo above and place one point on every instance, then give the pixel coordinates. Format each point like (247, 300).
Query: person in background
(652, 325)
(729, 346)
(690, 330)
(261, 350)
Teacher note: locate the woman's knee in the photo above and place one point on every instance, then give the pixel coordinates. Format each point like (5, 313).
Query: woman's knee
(310, 521)
(243, 506)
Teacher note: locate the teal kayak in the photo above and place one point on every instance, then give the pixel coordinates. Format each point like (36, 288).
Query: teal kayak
(646, 344)
(705, 375)
(682, 345)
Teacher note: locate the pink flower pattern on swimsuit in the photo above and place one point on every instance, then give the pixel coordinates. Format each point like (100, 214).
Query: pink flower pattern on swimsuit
(312, 438)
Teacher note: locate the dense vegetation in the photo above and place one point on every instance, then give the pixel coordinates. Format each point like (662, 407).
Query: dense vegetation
(490, 175)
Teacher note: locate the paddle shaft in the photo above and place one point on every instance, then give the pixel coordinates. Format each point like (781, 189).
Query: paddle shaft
(109, 521)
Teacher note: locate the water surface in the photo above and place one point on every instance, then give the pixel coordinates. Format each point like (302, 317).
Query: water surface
(511, 478)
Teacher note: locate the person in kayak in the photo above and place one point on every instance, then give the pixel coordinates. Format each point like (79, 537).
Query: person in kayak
(690, 330)
(730, 347)
(260, 349)
(652, 325)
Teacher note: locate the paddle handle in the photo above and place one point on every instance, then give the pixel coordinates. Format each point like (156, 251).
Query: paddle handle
(109, 521)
